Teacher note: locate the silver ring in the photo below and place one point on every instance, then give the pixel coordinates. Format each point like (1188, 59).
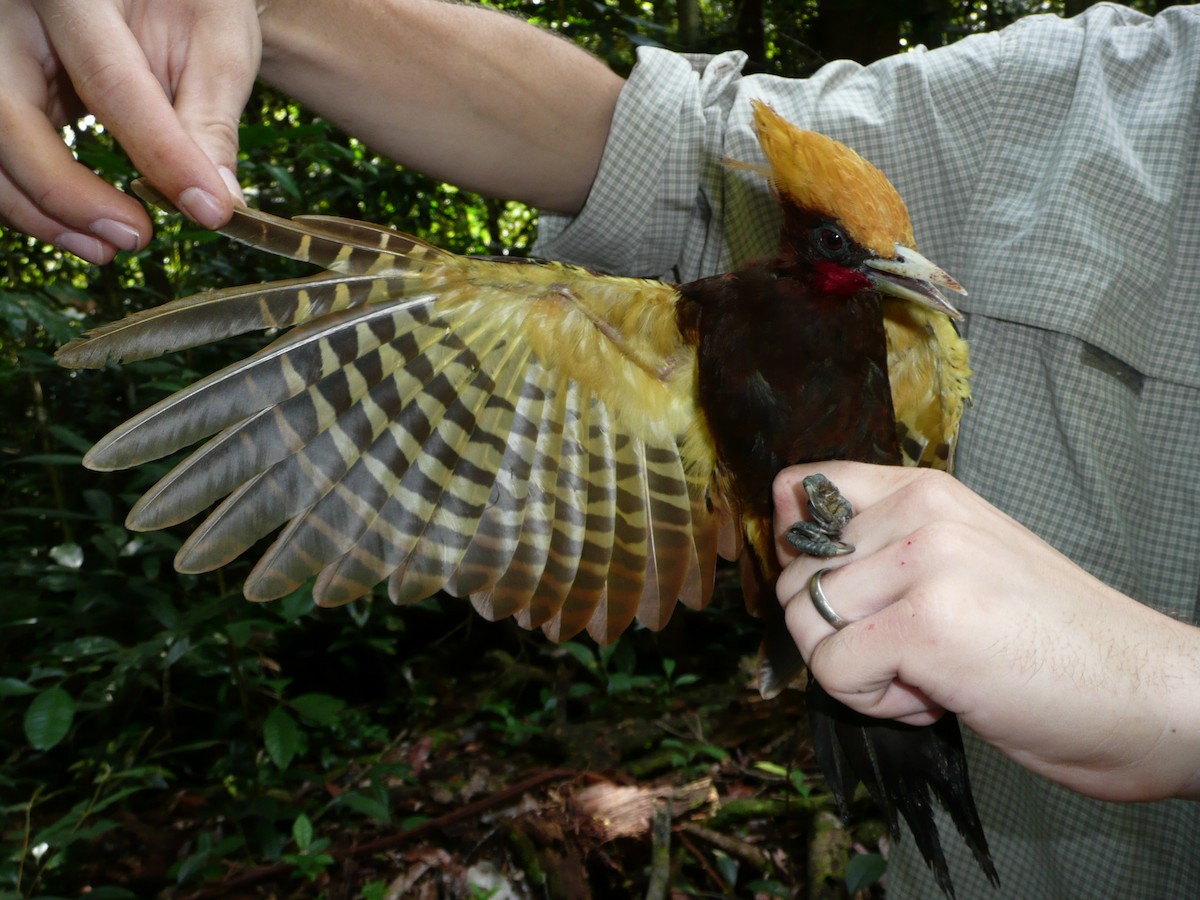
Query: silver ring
(821, 602)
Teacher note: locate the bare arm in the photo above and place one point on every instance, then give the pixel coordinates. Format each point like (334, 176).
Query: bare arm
(467, 94)
(955, 606)
(463, 93)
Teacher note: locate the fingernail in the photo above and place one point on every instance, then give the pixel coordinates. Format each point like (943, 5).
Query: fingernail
(231, 182)
(202, 207)
(84, 246)
(120, 235)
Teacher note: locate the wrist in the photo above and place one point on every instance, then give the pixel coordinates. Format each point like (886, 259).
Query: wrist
(1179, 687)
(1154, 744)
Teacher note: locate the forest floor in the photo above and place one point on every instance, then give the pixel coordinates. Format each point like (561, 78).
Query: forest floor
(522, 770)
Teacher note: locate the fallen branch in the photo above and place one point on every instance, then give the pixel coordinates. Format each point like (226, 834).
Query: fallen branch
(747, 852)
(660, 852)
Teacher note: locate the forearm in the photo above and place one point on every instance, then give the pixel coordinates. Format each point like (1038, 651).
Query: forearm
(472, 96)
(1129, 725)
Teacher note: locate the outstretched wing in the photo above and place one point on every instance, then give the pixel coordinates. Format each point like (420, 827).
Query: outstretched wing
(522, 434)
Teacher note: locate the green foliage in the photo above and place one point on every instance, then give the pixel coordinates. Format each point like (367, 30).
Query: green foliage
(864, 870)
(312, 861)
(48, 718)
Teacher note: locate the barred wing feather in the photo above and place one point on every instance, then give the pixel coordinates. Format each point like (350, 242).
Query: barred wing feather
(523, 435)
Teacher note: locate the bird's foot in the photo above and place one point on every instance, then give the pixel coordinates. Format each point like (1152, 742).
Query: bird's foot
(830, 511)
(809, 539)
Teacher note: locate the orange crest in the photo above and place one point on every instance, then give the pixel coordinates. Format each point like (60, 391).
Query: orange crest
(819, 173)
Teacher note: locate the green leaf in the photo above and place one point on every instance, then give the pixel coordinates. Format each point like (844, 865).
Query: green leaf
(69, 555)
(286, 181)
(296, 604)
(49, 718)
(178, 650)
(622, 657)
(771, 768)
(619, 683)
(727, 866)
(799, 783)
(90, 645)
(863, 871)
(70, 438)
(15, 687)
(369, 806)
(302, 831)
(321, 708)
(240, 631)
(281, 735)
(52, 459)
(582, 653)
(100, 503)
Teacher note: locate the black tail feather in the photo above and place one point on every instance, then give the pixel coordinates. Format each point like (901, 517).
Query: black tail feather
(900, 765)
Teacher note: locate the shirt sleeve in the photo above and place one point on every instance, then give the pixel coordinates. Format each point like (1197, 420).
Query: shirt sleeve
(647, 206)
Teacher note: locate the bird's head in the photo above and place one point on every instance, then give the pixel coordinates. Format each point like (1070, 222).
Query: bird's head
(844, 219)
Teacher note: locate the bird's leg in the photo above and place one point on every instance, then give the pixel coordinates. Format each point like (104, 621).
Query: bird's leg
(830, 512)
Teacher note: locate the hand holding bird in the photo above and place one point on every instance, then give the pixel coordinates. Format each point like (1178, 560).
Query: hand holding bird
(953, 606)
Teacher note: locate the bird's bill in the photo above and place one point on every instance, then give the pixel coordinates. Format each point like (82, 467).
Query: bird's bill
(911, 276)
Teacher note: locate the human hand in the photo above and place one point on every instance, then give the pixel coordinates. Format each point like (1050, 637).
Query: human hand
(955, 606)
(168, 78)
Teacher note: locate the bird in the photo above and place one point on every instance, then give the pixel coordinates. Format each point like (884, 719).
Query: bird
(565, 447)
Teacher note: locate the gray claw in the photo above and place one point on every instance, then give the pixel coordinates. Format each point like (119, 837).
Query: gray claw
(830, 512)
(827, 504)
(810, 539)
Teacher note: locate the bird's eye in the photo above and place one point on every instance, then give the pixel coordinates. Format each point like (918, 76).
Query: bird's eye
(831, 241)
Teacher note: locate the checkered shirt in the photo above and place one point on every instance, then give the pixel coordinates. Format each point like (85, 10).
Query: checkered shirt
(1054, 169)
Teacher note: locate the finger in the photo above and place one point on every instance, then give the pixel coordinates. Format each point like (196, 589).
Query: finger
(904, 498)
(862, 484)
(112, 76)
(44, 192)
(855, 590)
(890, 560)
(805, 622)
(862, 664)
(18, 212)
(870, 533)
